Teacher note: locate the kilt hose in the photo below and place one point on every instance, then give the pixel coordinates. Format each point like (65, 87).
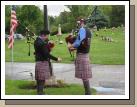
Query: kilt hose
(82, 66)
(42, 70)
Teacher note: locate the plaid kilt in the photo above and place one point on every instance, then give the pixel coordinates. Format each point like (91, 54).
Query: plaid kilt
(42, 70)
(82, 66)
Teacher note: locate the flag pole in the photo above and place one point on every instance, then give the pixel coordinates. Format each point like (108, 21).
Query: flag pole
(12, 65)
(13, 25)
(12, 76)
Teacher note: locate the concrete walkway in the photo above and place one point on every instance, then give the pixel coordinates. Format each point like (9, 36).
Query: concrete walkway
(107, 79)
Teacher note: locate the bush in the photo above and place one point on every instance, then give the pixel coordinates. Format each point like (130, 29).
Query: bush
(54, 30)
(67, 27)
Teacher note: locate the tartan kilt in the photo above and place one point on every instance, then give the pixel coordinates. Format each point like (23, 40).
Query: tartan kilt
(82, 66)
(42, 70)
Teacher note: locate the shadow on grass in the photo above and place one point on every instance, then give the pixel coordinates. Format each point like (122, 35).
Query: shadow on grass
(33, 85)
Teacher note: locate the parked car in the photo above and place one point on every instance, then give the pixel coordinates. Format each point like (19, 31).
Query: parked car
(18, 36)
(6, 37)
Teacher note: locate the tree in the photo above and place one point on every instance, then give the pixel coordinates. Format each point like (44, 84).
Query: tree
(32, 17)
(64, 20)
(7, 18)
(117, 16)
(78, 11)
(107, 10)
(51, 20)
(97, 18)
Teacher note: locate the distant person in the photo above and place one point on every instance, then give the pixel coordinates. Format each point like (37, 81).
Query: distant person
(82, 62)
(42, 57)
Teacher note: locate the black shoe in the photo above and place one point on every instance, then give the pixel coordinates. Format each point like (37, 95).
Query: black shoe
(40, 87)
(87, 87)
(41, 93)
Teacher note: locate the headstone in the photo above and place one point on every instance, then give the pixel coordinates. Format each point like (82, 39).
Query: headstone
(113, 28)
(105, 29)
(107, 38)
(95, 28)
(102, 37)
(59, 34)
(60, 42)
(59, 30)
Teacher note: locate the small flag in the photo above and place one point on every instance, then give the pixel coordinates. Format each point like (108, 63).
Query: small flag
(13, 26)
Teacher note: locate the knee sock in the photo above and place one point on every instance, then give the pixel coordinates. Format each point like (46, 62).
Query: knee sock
(40, 86)
(87, 87)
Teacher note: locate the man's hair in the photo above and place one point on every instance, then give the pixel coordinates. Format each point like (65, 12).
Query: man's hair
(82, 21)
(44, 32)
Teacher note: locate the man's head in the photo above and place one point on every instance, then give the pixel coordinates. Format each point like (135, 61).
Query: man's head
(81, 22)
(44, 34)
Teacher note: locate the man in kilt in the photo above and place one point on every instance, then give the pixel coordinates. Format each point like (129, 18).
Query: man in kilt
(82, 62)
(42, 57)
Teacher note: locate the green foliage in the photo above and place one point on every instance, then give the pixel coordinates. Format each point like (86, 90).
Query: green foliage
(32, 17)
(54, 30)
(80, 11)
(68, 19)
(51, 20)
(117, 16)
(7, 18)
(67, 27)
(106, 16)
(98, 18)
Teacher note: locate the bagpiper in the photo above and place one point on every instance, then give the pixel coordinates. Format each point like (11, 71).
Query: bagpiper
(42, 57)
(82, 61)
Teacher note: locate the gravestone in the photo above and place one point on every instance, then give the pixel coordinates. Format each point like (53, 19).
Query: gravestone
(59, 34)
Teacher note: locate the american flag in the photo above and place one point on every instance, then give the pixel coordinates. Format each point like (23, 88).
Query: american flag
(13, 25)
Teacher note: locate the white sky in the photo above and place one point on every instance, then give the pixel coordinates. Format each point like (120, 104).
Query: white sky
(54, 10)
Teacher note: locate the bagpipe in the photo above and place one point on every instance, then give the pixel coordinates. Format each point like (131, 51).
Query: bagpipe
(70, 39)
(50, 45)
(31, 37)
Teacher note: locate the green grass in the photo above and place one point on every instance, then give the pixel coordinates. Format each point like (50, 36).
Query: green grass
(15, 87)
(101, 52)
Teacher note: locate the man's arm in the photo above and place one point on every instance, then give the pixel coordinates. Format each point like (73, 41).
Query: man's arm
(81, 36)
(47, 54)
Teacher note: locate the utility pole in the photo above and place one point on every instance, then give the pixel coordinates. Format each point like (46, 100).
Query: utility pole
(46, 24)
(52, 80)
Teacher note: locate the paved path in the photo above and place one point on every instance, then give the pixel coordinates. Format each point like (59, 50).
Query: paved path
(107, 79)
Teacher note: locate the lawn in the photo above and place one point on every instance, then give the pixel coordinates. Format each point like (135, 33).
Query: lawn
(101, 52)
(20, 87)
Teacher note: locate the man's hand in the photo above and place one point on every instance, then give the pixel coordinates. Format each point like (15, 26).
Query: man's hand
(70, 46)
(72, 49)
(59, 59)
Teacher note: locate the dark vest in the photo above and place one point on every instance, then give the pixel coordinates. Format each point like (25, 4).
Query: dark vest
(85, 44)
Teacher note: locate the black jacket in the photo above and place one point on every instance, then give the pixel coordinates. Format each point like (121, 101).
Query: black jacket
(41, 51)
(85, 44)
